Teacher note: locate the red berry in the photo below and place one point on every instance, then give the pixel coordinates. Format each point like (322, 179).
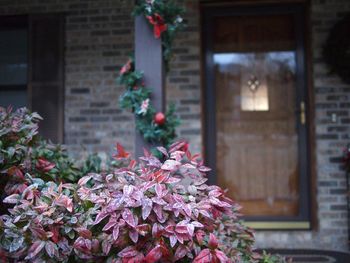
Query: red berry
(159, 118)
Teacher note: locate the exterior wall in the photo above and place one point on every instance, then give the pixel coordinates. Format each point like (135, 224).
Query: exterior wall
(99, 38)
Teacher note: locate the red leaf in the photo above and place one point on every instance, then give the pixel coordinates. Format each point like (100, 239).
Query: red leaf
(213, 242)
(203, 257)
(154, 255)
(44, 165)
(85, 233)
(180, 145)
(121, 153)
(16, 173)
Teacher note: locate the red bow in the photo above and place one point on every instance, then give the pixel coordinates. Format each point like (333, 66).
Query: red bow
(158, 22)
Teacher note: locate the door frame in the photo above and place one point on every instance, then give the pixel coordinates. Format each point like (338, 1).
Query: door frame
(303, 219)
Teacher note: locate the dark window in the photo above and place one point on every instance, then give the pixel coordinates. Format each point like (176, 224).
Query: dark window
(31, 68)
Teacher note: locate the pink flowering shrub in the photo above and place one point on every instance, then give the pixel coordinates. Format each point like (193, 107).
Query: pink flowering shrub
(133, 212)
(24, 155)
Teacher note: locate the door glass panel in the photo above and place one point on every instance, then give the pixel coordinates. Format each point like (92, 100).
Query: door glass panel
(13, 57)
(256, 121)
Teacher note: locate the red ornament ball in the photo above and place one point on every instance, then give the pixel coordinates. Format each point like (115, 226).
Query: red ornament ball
(159, 118)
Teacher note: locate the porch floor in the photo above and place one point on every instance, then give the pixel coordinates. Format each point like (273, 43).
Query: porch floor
(313, 256)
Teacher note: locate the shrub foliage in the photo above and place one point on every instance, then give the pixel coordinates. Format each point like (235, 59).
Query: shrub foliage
(134, 211)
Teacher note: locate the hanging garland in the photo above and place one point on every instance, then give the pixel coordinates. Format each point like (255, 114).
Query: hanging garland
(156, 127)
(165, 16)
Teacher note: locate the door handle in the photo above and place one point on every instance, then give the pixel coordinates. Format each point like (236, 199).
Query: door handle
(302, 113)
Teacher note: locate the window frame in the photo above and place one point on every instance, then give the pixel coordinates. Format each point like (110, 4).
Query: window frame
(27, 22)
(304, 218)
(17, 22)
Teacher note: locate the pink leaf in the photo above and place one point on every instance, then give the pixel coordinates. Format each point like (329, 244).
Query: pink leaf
(159, 212)
(12, 199)
(173, 240)
(111, 223)
(35, 249)
(134, 235)
(51, 249)
(204, 169)
(84, 180)
(106, 246)
(116, 233)
(200, 181)
(199, 236)
(159, 190)
(146, 207)
(190, 229)
(127, 190)
(219, 203)
(102, 215)
(197, 224)
(157, 230)
(170, 165)
(204, 213)
(128, 252)
(172, 180)
(180, 252)
(143, 229)
(163, 151)
(129, 217)
(221, 256)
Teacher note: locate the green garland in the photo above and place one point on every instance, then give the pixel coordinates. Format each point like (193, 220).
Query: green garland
(165, 16)
(156, 127)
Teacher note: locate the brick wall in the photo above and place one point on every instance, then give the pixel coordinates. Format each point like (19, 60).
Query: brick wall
(99, 37)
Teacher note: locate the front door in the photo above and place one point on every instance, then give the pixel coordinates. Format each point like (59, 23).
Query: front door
(256, 120)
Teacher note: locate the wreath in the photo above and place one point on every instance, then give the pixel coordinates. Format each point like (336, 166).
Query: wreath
(336, 51)
(156, 127)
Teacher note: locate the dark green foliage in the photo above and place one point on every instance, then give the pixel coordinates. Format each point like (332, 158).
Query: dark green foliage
(134, 97)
